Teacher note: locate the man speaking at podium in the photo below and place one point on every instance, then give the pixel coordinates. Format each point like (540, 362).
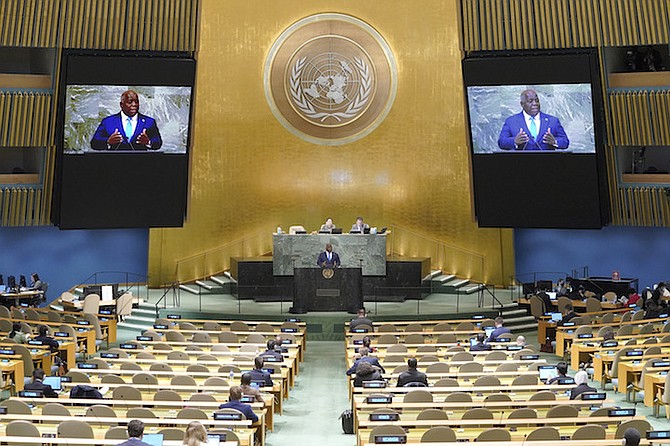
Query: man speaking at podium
(536, 130)
(328, 258)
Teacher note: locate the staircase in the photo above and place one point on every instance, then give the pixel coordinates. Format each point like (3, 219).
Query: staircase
(220, 284)
(142, 318)
(450, 284)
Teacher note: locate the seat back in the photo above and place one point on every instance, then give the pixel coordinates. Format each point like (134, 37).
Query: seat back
(91, 304)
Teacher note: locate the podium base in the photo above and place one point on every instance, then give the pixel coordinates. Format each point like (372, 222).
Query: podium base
(295, 310)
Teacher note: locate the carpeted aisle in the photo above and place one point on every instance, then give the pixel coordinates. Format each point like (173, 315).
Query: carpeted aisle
(320, 394)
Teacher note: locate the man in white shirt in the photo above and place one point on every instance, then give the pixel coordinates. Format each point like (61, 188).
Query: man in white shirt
(359, 226)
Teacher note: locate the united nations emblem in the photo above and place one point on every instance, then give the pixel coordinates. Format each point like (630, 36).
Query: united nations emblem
(327, 273)
(330, 79)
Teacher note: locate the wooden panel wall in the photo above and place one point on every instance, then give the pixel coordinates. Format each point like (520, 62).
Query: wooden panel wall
(28, 116)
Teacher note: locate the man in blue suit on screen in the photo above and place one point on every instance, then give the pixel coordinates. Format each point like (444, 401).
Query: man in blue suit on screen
(128, 129)
(328, 258)
(531, 129)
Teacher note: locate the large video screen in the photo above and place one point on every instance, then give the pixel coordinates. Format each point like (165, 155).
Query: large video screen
(500, 118)
(536, 135)
(124, 139)
(95, 118)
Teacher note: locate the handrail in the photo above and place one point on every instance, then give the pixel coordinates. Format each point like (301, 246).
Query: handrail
(176, 297)
(467, 263)
(128, 285)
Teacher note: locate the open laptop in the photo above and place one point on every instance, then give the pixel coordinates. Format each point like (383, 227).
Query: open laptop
(54, 382)
(552, 295)
(547, 372)
(488, 331)
(153, 439)
(556, 317)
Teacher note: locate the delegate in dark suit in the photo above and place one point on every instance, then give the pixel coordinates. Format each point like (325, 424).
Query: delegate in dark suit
(532, 129)
(128, 129)
(242, 407)
(328, 258)
(371, 360)
(46, 389)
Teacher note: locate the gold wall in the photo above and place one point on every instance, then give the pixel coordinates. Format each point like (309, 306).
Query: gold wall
(250, 175)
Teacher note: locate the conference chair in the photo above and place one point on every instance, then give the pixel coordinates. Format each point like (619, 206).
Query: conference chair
(144, 379)
(414, 327)
(55, 409)
(478, 413)
(561, 303)
(387, 328)
(438, 367)
(590, 432)
(17, 407)
(544, 395)
(465, 326)
(214, 326)
(387, 339)
(117, 433)
(22, 428)
(432, 414)
(612, 375)
(78, 377)
(647, 329)
(563, 412)
(239, 326)
(439, 434)
(507, 367)
(497, 397)
(458, 397)
(91, 304)
(167, 395)
(593, 305)
(140, 412)
(187, 326)
(642, 426)
(74, 429)
(174, 336)
(463, 357)
(537, 308)
(112, 379)
(202, 397)
(414, 338)
(255, 338)
(191, 413)
(178, 355)
(522, 413)
(160, 367)
(396, 348)
(495, 434)
(545, 433)
(386, 430)
(418, 396)
(145, 355)
(183, 380)
(173, 434)
(443, 326)
(473, 367)
(446, 338)
(215, 381)
(100, 411)
(124, 306)
(447, 382)
(486, 381)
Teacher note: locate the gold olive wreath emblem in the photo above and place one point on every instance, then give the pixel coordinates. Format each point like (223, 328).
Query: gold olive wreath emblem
(328, 273)
(355, 106)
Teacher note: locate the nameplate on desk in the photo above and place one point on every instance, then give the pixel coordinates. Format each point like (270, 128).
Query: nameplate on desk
(228, 416)
(500, 340)
(661, 316)
(3, 410)
(35, 342)
(569, 324)
(514, 347)
(478, 316)
(657, 435)
(661, 364)
(621, 413)
(107, 312)
(30, 394)
(144, 338)
(128, 346)
(360, 330)
(358, 342)
(24, 304)
(390, 439)
(258, 383)
(220, 436)
(530, 357)
(83, 323)
(174, 316)
(61, 334)
(632, 305)
(285, 341)
(585, 336)
(86, 365)
(109, 355)
(379, 399)
(635, 353)
(271, 358)
(374, 384)
(160, 326)
(592, 396)
(66, 379)
(247, 399)
(289, 330)
(384, 416)
(293, 319)
(609, 344)
(565, 381)
(7, 351)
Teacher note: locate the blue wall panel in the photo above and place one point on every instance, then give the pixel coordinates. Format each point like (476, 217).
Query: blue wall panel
(633, 251)
(66, 258)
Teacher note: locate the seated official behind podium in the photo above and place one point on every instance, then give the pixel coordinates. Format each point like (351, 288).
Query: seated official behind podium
(360, 227)
(328, 226)
(328, 258)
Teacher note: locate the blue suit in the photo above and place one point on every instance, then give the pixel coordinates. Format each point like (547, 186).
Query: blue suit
(372, 360)
(323, 261)
(515, 122)
(242, 407)
(133, 442)
(111, 123)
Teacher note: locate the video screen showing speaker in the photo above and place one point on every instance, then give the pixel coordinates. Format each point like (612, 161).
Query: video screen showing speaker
(124, 139)
(536, 135)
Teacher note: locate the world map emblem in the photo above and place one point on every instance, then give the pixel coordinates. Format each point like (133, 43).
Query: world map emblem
(330, 79)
